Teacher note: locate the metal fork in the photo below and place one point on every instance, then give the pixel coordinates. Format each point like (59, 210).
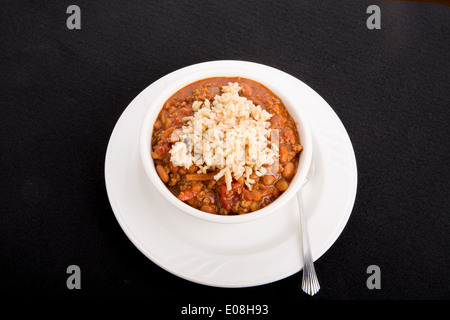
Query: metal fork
(310, 283)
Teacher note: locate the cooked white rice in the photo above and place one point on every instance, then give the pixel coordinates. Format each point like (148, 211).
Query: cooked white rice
(231, 135)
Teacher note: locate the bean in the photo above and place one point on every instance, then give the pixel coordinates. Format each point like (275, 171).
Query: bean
(282, 185)
(168, 123)
(256, 195)
(245, 203)
(211, 184)
(297, 148)
(196, 187)
(185, 111)
(174, 178)
(277, 120)
(283, 154)
(172, 110)
(274, 168)
(157, 125)
(246, 88)
(268, 179)
(208, 208)
(289, 135)
(288, 170)
(254, 206)
(193, 168)
(162, 173)
(206, 200)
(163, 116)
(155, 155)
(247, 194)
(200, 194)
(214, 90)
(254, 176)
(173, 168)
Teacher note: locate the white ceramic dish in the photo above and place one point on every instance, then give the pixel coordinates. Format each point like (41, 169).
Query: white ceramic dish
(232, 255)
(278, 88)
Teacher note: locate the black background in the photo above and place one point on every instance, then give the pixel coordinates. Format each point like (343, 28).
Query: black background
(63, 91)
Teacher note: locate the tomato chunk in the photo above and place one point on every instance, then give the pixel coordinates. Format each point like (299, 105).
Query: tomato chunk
(226, 201)
(229, 197)
(186, 195)
(161, 148)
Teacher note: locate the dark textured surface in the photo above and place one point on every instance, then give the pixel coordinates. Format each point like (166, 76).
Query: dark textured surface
(63, 91)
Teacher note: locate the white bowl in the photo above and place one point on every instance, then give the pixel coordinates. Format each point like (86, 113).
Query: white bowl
(289, 101)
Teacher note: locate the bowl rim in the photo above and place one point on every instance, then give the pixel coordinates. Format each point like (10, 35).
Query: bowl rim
(155, 106)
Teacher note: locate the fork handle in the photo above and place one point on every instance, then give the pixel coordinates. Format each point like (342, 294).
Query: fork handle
(310, 283)
(304, 227)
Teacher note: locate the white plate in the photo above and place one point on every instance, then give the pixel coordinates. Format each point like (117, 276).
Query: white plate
(223, 255)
